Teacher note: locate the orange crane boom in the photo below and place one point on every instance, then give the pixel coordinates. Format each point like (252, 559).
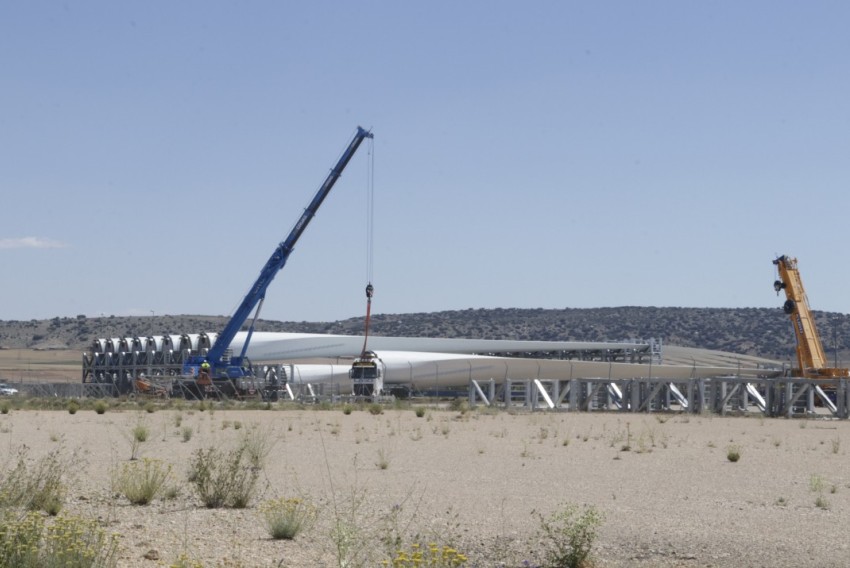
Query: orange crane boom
(811, 360)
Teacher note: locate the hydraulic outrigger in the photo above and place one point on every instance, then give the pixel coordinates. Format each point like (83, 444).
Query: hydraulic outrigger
(811, 360)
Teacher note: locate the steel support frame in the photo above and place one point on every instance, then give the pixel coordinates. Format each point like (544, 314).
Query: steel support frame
(788, 397)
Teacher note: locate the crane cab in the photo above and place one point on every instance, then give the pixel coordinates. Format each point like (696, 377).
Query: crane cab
(367, 375)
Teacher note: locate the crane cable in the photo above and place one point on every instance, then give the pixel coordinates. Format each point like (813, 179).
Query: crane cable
(370, 240)
(370, 212)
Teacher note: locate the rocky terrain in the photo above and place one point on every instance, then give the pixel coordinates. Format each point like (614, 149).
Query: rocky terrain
(762, 332)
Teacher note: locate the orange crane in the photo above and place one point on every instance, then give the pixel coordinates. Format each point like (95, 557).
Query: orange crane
(810, 355)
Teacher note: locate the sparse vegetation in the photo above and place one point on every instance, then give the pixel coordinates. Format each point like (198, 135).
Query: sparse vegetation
(383, 461)
(142, 481)
(347, 534)
(140, 432)
(74, 542)
(36, 485)
(224, 478)
(459, 405)
(285, 518)
(733, 453)
(816, 483)
(416, 555)
(185, 561)
(542, 433)
(257, 443)
(568, 535)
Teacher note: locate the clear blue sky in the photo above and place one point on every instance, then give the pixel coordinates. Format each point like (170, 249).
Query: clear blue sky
(535, 154)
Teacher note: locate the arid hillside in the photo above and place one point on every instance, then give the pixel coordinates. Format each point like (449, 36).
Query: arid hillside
(749, 331)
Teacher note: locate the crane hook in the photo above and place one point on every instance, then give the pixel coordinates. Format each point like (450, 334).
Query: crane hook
(369, 290)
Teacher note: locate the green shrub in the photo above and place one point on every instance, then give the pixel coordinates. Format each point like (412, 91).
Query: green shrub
(420, 411)
(459, 405)
(376, 409)
(346, 409)
(285, 518)
(5, 407)
(73, 406)
(140, 432)
(142, 481)
(100, 406)
(137, 435)
(733, 453)
(257, 443)
(187, 432)
(37, 486)
(224, 478)
(568, 536)
(26, 542)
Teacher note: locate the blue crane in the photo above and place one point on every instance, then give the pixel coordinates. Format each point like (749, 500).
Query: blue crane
(218, 363)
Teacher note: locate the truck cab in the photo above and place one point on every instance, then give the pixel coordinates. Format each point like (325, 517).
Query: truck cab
(367, 375)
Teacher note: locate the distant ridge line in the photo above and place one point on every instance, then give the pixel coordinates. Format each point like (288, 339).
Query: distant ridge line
(761, 332)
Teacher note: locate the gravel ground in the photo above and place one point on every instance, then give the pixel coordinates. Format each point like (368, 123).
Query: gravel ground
(668, 493)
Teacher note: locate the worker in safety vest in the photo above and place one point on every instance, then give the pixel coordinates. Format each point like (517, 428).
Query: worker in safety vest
(204, 374)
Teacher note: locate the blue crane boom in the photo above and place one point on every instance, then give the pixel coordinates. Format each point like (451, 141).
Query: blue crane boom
(221, 365)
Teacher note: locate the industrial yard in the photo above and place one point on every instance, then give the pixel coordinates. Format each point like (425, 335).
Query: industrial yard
(673, 482)
(590, 345)
(665, 477)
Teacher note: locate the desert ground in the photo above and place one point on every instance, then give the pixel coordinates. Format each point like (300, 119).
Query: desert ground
(476, 480)
(32, 365)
